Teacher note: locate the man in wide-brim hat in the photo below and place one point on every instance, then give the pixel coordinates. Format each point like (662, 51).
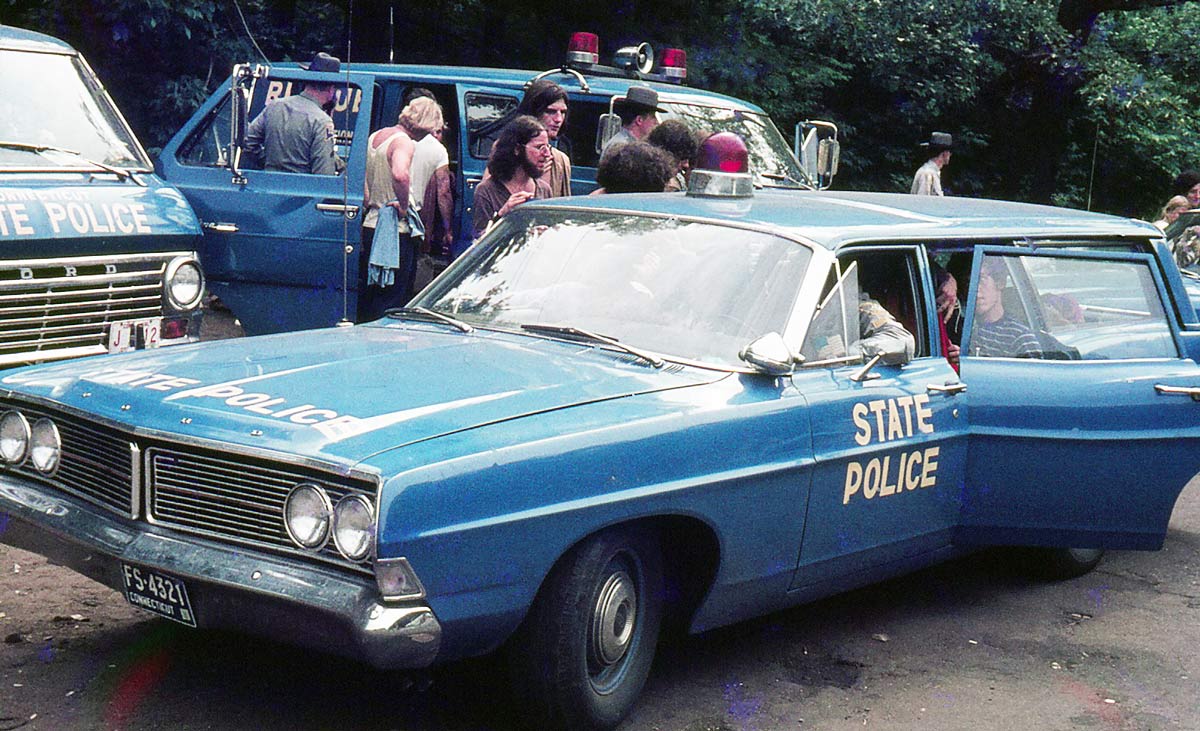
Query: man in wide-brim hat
(928, 180)
(639, 114)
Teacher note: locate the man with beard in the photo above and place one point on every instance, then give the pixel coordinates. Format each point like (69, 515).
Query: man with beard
(518, 159)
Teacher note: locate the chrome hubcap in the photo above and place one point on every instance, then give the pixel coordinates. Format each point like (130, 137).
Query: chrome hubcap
(613, 619)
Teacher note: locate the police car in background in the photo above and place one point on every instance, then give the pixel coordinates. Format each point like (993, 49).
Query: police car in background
(615, 410)
(282, 249)
(97, 254)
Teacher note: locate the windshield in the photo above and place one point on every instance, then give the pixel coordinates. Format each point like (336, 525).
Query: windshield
(771, 160)
(53, 100)
(693, 291)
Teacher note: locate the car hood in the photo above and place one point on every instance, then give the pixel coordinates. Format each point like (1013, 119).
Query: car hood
(344, 394)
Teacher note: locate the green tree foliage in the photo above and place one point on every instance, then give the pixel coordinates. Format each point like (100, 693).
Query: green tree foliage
(1074, 102)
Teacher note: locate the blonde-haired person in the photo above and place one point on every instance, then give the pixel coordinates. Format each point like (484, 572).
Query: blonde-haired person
(1178, 204)
(387, 231)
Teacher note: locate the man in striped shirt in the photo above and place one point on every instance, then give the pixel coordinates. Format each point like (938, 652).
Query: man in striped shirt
(997, 334)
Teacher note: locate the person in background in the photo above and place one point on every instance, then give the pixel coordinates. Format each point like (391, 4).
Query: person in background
(928, 180)
(387, 223)
(635, 167)
(516, 166)
(1187, 184)
(546, 102)
(294, 134)
(1178, 204)
(677, 140)
(431, 189)
(950, 314)
(639, 115)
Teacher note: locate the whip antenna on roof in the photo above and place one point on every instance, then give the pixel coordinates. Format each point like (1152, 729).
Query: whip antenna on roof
(249, 35)
(391, 34)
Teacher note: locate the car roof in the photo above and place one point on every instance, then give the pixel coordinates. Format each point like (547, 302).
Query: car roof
(606, 86)
(832, 219)
(19, 39)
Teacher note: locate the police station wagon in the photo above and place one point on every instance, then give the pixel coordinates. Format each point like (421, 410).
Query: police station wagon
(616, 410)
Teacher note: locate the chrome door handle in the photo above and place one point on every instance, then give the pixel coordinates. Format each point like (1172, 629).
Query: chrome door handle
(948, 388)
(219, 227)
(347, 210)
(1178, 391)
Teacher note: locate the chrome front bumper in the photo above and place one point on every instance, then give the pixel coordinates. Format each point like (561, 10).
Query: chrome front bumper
(229, 587)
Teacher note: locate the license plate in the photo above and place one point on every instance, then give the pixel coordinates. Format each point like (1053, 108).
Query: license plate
(134, 334)
(164, 595)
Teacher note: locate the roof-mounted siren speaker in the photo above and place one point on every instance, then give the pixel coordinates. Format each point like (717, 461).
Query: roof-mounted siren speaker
(674, 64)
(583, 49)
(639, 58)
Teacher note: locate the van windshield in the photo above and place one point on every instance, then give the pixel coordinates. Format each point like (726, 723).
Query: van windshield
(54, 101)
(771, 160)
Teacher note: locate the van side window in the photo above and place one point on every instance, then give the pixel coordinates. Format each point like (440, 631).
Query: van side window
(578, 137)
(485, 115)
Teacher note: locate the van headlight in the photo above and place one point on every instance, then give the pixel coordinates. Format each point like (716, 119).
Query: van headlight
(45, 446)
(14, 437)
(184, 283)
(306, 515)
(353, 527)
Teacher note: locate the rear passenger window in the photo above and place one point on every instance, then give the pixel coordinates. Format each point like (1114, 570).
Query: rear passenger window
(1068, 309)
(486, 114)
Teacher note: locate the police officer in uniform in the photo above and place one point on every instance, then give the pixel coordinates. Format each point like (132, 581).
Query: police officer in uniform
(294, 134)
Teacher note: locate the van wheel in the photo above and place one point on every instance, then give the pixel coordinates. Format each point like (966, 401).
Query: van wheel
(582, 655)
(1065, 563)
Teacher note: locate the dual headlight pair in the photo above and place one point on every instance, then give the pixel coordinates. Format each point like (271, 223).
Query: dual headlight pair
(311, 517)
(38, 442)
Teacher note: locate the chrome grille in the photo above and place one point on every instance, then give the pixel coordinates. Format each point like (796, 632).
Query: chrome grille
(57, 304)
(97, 462)
(210, 493)
(221, 495)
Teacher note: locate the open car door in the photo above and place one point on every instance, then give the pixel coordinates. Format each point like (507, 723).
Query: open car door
(281, 249)
(1084, 412)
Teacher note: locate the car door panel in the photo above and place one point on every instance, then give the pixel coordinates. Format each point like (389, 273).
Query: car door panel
(1077, 447)
(311, 222)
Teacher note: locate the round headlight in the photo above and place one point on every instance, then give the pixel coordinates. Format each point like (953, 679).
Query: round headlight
(45, 446)
(306, 515)
(185, 283)
(14, 437)
(353, 523)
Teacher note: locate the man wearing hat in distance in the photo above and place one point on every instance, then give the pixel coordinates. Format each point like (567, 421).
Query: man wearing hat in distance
(928, 180)
(639, 114)
(294, 134)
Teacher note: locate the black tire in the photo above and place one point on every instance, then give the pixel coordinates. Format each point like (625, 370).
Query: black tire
(1064, 563)
(584, 651)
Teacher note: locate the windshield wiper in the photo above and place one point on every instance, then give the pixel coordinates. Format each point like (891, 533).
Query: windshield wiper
(424, 313)
(575, 332)
(121, 173)
(785, 177)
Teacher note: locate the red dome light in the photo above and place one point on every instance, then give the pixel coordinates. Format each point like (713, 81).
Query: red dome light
(724, 152)
(583, 48)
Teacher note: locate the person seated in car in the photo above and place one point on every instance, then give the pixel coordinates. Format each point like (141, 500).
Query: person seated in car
(997, 334)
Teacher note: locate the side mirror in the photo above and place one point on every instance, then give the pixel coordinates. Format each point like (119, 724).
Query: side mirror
(818, 150)
(610, 125)
(238, 116)
(770, 355)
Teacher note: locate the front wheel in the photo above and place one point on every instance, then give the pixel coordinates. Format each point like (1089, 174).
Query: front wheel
(583, 653)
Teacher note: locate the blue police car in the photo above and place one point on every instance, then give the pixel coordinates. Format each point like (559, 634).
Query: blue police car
(616, 410)
(282, 250)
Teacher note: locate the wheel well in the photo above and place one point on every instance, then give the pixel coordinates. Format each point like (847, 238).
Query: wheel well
(690, 553)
